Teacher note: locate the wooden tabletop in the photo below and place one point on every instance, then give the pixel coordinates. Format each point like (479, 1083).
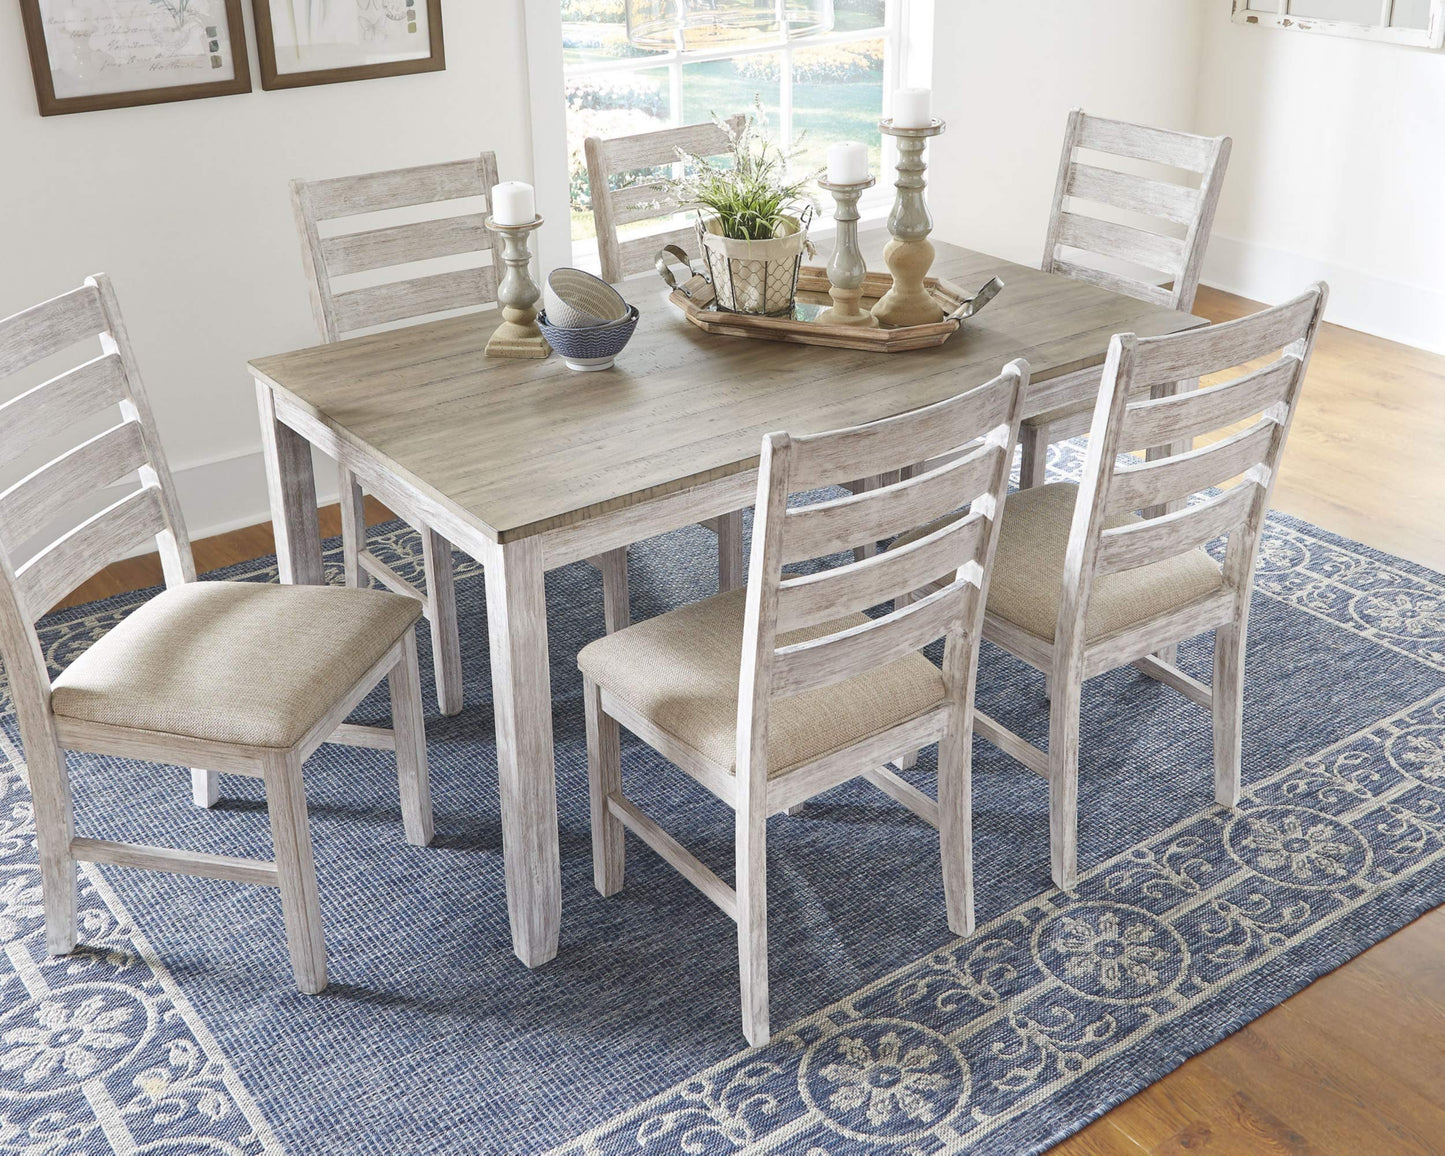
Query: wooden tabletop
(518, 447)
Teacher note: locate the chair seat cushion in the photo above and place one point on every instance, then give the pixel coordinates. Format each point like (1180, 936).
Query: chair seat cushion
(680, 671)
(251, 663)
(1028, 570)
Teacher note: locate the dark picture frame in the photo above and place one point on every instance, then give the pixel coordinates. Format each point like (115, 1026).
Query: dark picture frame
(271, 78)
(52, 105)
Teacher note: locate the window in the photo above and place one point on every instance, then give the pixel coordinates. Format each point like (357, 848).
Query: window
(813, 91)
(1420, 23)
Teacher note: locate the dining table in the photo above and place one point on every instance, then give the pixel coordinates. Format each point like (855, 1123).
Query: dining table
(528, 466)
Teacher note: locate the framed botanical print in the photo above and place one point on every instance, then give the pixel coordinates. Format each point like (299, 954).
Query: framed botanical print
(303, 42)
(93, 54)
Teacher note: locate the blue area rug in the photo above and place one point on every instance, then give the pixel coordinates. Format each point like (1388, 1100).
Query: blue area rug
(176, 1031)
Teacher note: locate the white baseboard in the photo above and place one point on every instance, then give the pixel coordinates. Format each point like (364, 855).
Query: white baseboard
(1411, 314)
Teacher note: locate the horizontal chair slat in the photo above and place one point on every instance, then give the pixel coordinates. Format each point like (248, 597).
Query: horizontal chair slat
(49, 327)
(641, 203)
(176, 861)
(399, 244)
(1114, 282)
(1133, 192)
(1164, 419)
(395, 189)
(639, 253)
(76, 393)
(882, 446)
(825, 528)
(1122, 241)
(1200, 352)
(101, 539)
(822, 662)
(28, 505)
(1140, 543)
(813, 598)
(1178, 476)
(1139, 142)
(399, 300)
(646, 150)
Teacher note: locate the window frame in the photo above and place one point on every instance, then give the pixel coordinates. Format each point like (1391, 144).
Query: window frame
(1431, 36)
(901, 23)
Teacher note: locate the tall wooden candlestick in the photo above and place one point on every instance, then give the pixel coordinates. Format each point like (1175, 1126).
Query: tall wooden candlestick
(846, 269)
(909, 254)
(518, 335)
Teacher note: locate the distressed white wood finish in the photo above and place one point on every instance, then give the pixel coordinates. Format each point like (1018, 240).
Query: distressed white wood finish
(150, 511)
(1236, 513)
(1383, 30)
(341, 311)
(1160, 211)
(769, 672)
(668, 440)
(611, 209)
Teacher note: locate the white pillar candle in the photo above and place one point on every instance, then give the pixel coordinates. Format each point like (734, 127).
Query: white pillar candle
(912, 108)
(513, 203)
(847, 163)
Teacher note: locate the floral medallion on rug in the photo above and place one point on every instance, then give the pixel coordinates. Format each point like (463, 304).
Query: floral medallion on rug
(175, 1030)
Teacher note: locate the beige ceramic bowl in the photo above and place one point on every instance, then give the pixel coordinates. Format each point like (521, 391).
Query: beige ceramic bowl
(576, 299)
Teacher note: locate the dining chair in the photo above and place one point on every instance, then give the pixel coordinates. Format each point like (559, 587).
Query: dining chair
(346, 253)
(631, 162)
(1162, 238)
(1083, 585)
(772, 694)
(244, 678)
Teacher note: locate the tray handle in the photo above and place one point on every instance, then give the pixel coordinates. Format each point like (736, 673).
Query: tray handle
(987, 293)
(664, 268)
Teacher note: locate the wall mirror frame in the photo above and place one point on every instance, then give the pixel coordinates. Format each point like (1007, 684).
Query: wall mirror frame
(1415, 23)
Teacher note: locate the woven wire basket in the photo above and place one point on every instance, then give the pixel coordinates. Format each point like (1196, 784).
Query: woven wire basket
(743, 282)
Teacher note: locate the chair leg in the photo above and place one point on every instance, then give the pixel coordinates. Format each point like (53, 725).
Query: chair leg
(1228, 692)
(616, 600)
(300, 902)
(441, 612)
(409, 728)
(353, 527)
(1064, 778)
(604, 778)
(730, 573)
(205, 787)
(955, 821)
(752, 895)
(54, 828)
(1033, 455)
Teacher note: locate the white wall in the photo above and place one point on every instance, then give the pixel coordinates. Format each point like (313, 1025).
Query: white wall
(1338, 171)
(186, 206)
(1007, 72)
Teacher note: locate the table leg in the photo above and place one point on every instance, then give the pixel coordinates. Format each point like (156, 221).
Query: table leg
(1170, 653)
(522, 707)
(291, 484)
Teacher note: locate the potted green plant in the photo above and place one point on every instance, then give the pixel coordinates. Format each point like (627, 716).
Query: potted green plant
(752, 219)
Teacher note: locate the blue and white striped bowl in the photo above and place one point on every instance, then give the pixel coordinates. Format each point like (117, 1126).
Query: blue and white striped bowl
(590, 347)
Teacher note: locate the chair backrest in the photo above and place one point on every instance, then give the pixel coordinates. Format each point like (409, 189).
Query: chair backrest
(1267, 353)
(35, 575)
(641, 200)
(1171, 220)
(340, 310)
(984, 421)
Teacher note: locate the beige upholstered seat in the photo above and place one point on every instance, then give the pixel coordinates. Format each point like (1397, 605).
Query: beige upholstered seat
(681, 671)
(1032, 541)
(234, 662)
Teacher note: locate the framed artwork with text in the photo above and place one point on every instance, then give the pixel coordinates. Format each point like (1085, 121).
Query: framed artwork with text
(303, 42)
(93, 54)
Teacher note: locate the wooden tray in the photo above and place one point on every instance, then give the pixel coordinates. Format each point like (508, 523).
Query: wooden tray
(695, 298)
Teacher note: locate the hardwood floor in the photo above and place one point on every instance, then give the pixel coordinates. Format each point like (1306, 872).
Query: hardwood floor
(1355, 1063)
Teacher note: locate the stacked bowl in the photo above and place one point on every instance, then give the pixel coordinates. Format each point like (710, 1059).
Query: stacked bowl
(586, 320)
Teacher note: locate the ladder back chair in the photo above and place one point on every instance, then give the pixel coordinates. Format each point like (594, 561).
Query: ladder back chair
(1127, 585)
(244, 678)
(640, 200)
(773, 694)
(341, 311)
(1168, 234)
